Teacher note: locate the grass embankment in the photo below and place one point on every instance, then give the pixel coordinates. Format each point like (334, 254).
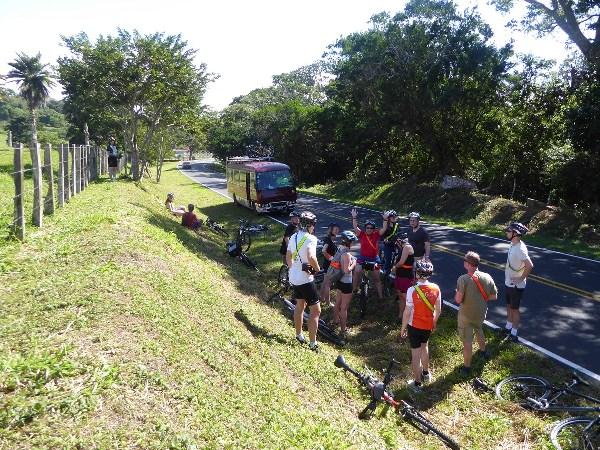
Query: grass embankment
(552, 228)
(121, 329)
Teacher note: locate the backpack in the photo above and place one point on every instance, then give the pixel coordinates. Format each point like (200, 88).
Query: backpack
(335, 272)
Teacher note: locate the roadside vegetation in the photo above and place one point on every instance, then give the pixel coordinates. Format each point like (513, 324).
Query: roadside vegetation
(122, 329)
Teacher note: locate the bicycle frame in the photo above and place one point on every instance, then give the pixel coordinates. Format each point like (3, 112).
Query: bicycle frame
(547, 402)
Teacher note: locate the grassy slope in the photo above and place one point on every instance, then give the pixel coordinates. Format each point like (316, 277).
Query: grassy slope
(121, 329)
(470, 211)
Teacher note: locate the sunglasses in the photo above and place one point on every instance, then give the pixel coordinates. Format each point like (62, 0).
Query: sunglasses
(369, 228)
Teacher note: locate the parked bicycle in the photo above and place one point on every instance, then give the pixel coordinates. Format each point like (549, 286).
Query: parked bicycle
(365, 286)
(538, 394)
(246, 230)
(216, 227)
(379, 393)
(234, 250)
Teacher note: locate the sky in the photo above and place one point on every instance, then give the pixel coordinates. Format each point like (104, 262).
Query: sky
(245, 42)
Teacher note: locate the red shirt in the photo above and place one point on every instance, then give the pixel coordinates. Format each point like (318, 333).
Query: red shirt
(369, 247)
(188, 219)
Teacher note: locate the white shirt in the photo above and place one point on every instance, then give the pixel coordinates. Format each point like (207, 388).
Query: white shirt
(515, 264)
(296, 275)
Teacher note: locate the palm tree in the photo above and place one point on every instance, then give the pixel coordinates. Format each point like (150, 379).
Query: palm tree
(34, 81)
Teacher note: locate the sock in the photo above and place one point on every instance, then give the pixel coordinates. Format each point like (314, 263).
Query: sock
(513, 331)
(300, 337)
(508, 325)
(313, 343)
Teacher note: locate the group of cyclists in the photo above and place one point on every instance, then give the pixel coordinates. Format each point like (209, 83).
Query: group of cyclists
(404, 256)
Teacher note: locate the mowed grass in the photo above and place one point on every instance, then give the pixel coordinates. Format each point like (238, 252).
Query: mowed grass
(121, 329)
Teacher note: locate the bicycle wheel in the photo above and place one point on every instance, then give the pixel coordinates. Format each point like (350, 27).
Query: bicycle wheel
(364, 294)
(244, 240)
(425, 426)
(568, 434)
(248, 262)
(519, 388)
(283, 276)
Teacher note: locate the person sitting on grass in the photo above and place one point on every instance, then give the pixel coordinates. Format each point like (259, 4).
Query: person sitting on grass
(190, 220)
(176, 211)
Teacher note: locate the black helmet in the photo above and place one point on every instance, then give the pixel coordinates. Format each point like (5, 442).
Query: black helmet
(423, 269)
(307, 218)
(391, 213)
(517, 227)
(348, 236)
(414, 215)
(294, 214)
(369, 222)
(402, 237)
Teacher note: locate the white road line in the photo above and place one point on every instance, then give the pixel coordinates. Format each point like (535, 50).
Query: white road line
(542, 350)
(525, 342)
(463, 231)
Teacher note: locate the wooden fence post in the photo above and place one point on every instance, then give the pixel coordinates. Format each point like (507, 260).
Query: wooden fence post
(49, 204)
(61, 176)
(37, 186)
(74, 183)
(19, 223)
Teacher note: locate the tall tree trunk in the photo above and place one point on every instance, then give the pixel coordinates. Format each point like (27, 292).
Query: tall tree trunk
(86, 134)
(34, 139)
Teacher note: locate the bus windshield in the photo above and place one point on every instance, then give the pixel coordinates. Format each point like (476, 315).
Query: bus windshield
(274, 179)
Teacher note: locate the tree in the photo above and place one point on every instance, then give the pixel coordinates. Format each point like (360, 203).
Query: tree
(133, 84)
(34, 81)
(578, 19)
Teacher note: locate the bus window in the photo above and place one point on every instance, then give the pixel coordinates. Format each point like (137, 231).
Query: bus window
(274, 179)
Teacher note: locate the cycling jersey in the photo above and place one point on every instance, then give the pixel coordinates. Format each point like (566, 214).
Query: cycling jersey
(421, 316)
(368, 244)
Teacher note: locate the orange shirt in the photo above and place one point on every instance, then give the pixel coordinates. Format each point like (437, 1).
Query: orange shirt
(421, 316)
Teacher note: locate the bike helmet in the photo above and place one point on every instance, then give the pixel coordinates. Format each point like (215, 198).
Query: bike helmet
(414, 215)
(294, 214)
(170, 195)
(369, 222)
(423, 269)
(307, 218)
(348, 236)
(518, 228)
(391, 213)
(403, 237)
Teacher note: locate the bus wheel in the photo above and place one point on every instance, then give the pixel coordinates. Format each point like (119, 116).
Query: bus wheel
(235, 202)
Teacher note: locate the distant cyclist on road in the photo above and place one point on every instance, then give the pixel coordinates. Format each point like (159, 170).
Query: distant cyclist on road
(418, 237)
(404, 270)
(290, 229)
(369, 250)
(301, 258)
(518, 267)
(389, 238)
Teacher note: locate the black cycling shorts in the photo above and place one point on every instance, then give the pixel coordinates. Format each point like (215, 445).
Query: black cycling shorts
(345, 288)
(416, 336)
(513, 296)
(307, 292)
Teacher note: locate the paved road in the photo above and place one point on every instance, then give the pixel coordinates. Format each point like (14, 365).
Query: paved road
(561, 306)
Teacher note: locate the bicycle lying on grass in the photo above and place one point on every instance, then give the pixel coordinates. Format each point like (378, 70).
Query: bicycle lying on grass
(234, 250)
(379, 393)
(246, 230)
(216, 227)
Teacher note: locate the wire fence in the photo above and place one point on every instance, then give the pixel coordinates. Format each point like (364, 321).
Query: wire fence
(49, 183)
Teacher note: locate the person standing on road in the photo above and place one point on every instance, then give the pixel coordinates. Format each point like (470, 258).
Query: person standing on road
(301, 258)
(517, 269)
(423, 309)
(369, 250)
(290, 229)
(473, 290)
(418, 237)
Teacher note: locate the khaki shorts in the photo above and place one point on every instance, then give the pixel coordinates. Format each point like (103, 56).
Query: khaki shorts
(467, 328)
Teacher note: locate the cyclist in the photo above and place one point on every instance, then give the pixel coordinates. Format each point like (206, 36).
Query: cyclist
(347, 262)
(518, 267)
(423, 309)
(329, 250)
(369, 250)
(389, 239)
(418, 237)
(473, 290)
(290, 229)
(301, 258)
(404, 270)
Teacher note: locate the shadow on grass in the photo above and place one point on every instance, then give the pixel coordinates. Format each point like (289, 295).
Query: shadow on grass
(257, 331)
